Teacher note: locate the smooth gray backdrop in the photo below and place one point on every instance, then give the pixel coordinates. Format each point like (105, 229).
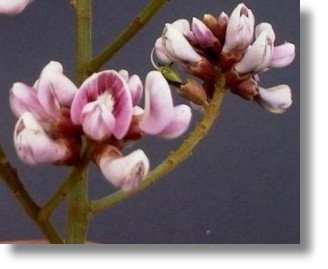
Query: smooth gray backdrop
(242, 184)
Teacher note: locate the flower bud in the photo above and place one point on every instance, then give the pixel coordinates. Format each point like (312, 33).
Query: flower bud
(194, 92)
(247, 89)
(276, 99)
(203, 69)
(283, 55)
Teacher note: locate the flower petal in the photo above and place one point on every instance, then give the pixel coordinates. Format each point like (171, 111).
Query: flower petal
(135, 86)
(13, 7)
(23, 98)
(258, 56)
(125, 172)
(33, 145)
(240, 29)
(203, 35)
(55, 89)
(179, 124)
(276, 99)
(159, 109)
(283, 55)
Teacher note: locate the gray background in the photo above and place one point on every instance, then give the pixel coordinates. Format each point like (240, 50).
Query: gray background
(242, 184)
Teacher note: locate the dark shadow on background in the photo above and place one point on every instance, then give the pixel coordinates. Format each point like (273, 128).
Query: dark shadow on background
(306, 190)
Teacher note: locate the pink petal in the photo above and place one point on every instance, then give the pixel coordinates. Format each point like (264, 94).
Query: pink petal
(13, 7)
(161, 53)
(159, 109)
(98, 124)
(33, 145)
(179, 124)
(125, 172)
(258, 56)
(23, 98)
(240, 29)
(55, 89)
(204, 36)
(135, 86)
(276, 99)
(283, 55)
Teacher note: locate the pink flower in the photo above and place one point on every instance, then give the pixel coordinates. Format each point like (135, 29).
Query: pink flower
(276, 99)
(35, 146)
(103, 106)
(13, 7)
(125, 172)
(258, 56)
(240, 29)
(173, 46)
(160, 116)
(45, 100)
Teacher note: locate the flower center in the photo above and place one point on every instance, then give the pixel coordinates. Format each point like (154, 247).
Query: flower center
(106, 101)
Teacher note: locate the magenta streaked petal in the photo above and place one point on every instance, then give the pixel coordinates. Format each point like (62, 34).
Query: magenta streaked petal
(159, 109)
(276, 100)
(283, 55)
(23, 98)
(112, 84)
(240, 29)
(179, 124)
(13, 7)
(32, 143)
(125, 172)
(55, 89)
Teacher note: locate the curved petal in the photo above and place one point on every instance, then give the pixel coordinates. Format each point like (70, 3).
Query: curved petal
(23, 98)
(33, 145)
(13, 7)
(135, 86)
(203, 35)
(98, 124)
(240, 29)
(178, 47)
(125, 172)
(55, 89)
(258, 56)
(182, 25)
(158, 104)
(267, 27)
(276, 99)
(179, 124)
(283, 55)
(161, 52)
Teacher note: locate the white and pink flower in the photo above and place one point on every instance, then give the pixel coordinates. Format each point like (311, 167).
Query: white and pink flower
(13, 7)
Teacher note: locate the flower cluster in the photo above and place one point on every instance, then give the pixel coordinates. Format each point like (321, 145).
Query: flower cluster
(225, 44)
(54, 115)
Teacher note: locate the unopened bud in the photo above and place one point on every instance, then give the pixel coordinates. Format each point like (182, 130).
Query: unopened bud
(233, 78)
(217, 26)
(246, 90)
(194, 92)
(204, 69)
(228, 59)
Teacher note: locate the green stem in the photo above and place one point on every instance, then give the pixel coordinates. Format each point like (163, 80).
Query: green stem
(78, 206)
(11, 179)
(176, 157)
(133, 28)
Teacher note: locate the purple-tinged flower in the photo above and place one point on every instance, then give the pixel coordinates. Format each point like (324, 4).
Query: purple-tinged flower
(103, 106)
(173, 46)
(258, 56)
(283, 55)
(35, 146)
(202, 34)
(160, 116)
(277, 99)
(125, 172)
(240, 29)
(13, 7)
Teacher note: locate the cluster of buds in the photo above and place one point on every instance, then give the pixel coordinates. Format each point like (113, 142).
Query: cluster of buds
(54, 115)
(225, 44)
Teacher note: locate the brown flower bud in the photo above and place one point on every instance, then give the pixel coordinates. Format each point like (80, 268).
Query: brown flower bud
(194, 92)
(204, 69)
(246, 90)
(218, 27)
(233, 78)
(227, 60)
